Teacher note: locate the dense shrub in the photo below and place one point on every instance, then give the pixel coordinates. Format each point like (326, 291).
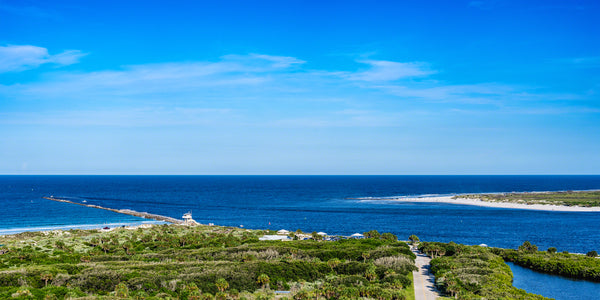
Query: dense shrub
(474, 272)
(168, 261)
(564, 264)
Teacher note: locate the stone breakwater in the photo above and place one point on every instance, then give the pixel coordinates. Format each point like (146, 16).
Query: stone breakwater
(130, 212)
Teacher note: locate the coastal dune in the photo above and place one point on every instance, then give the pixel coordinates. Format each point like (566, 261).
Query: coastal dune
(479, 202)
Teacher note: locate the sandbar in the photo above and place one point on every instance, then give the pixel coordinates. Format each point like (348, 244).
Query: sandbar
(479, 202)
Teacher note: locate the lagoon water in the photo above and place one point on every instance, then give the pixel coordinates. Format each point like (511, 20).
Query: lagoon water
(310, 203)
(552, 286)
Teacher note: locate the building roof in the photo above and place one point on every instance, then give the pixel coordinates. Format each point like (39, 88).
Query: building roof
(274, 238)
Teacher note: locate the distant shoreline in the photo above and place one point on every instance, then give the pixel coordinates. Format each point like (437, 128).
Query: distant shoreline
(66, 227)
(479, 202)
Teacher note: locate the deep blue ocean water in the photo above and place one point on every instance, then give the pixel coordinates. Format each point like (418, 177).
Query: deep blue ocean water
(310, 203)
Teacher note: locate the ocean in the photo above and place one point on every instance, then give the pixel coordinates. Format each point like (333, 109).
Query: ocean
(309, 203)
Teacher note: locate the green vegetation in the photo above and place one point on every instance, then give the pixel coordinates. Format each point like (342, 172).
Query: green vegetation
(203, 262)
(570, 265)
(568, 198)
(413, 239)
(472, 272)
(212, 262)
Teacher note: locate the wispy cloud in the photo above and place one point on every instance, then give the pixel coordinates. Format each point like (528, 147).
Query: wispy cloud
(133, 117)
(14, 58)
(27, 11)
(252, 89)
(278, 61)
(486, 93)
(588, 61)
(382, 70)
(178, 80)
(261, 62)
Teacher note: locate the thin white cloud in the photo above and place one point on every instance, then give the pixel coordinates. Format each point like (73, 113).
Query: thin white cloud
(586, 62)
(382, 70)
(473, 93)
(262, 62)
(123, 117)
(279, 61)
(256, 89)
(162, 80)
(14, 58)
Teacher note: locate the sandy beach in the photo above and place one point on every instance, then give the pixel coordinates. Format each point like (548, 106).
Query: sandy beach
(478, 202)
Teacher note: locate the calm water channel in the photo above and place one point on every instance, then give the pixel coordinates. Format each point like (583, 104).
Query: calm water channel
(552, 286)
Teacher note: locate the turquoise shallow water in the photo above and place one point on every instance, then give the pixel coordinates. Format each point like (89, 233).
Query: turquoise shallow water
(310, 203)
(552, 286)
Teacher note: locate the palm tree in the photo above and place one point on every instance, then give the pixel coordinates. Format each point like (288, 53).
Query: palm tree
(193, 291)
(528, 247)
(222, 284)
(453, 288)
(263, 280)
(442, 251)
(316, 236)
(60, 245)
(365, 255)
(332, 263)
(294, 253)
(121, 290)
(413, 238)
(372, 234)
(127, 246)
(106, 247)
(45, 277)
(94, 242)
(370, 274)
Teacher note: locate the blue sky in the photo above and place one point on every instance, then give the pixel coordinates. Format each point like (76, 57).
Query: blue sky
(300, 87)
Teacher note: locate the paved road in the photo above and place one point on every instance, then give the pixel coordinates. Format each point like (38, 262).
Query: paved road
(423, 279)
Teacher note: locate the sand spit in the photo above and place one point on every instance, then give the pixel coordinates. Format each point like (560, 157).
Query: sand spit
(479, 202)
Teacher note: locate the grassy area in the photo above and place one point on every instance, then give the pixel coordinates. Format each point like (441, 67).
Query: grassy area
(213, 262)
(203, 262)
(472, 272)
(568, 198)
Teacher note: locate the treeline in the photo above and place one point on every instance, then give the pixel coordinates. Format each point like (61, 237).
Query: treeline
(577, 266)
(567, 198)
(204, 262)
(472, 272)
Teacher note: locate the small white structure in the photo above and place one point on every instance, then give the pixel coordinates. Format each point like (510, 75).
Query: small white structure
(283, 232)
(322, 233)
(483, 245)
(357, 236)
(274, 238)
(187, 219)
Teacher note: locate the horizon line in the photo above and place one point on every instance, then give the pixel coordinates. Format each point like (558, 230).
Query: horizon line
(133, 174)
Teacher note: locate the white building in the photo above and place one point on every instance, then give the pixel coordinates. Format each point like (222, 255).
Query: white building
(187, 219)
(274, 238)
